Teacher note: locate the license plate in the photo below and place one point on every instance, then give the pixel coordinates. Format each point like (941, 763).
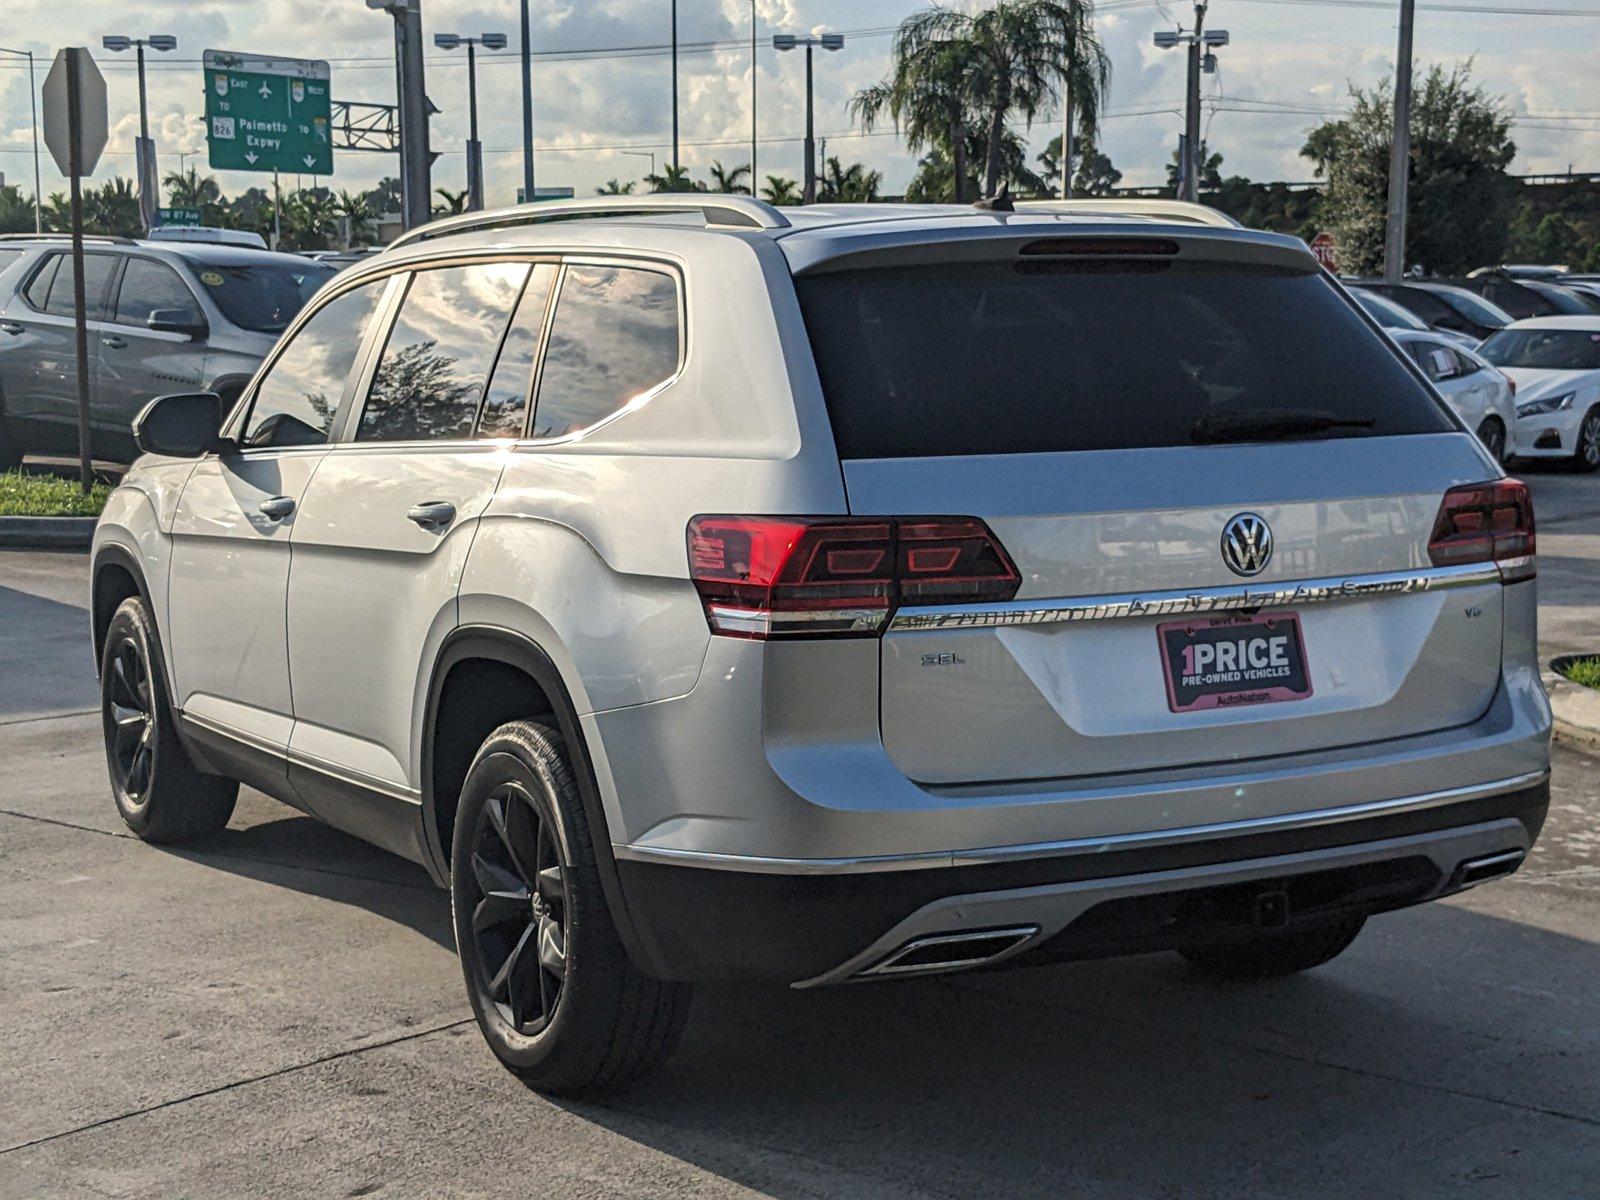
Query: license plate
(1232, 661)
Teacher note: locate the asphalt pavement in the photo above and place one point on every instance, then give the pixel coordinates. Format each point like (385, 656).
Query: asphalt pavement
(279, 1013)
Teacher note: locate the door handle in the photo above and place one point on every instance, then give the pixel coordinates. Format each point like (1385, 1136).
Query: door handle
(276, 508)
(435, 514)
(115, 342)
(10, 327)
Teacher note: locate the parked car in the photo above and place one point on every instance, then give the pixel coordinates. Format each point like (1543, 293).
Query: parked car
(161, 316)
(1481, 395)
(1555, 362)
(205, 234)
(853, 593)
(1525, 298)
(1447, 308)
(1393, 316)
(1524, 271)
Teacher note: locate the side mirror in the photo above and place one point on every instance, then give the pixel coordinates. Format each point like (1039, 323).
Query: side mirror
(185, 425)
(178, 320)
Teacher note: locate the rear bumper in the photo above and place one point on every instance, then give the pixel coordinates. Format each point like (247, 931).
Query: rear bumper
(808, 929)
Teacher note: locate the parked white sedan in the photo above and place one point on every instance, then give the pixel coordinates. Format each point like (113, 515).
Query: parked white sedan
(1555, 363)
(1481, 395)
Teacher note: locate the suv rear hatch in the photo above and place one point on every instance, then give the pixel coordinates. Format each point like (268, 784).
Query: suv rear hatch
(1108, 405)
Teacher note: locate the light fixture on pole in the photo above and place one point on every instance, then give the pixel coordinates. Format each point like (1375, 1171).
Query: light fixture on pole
(33, 100)
(145, 151)
(1200, 43)
(828, 41)
(489, 41)
(650, 154)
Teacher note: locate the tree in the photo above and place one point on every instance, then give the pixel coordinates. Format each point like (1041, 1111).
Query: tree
(190, 189)
(1210, 170)
(451, 202)
(673, 179)
(936, 181)
(1460, 196)
(359, 215)
(113, 208)
(387, 197)
(1092, 171)
(1006, 62)
(309, 220)
(927, 98)
(780, 190)
(16, 210)
(727, 181)
(848, 185)
(613, 188)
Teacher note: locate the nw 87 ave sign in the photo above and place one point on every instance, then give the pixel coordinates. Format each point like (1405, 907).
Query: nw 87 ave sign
(265, 113)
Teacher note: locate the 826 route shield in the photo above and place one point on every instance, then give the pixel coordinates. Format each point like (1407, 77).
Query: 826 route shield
(1232, 661)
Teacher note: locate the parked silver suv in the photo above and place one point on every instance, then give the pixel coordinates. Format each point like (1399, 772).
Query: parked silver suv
(701, 590)
(161, 316)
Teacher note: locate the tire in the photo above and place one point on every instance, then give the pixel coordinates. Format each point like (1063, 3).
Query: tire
(1586, 455)
(1493, 436)
(1268, 956)
(161, 794)
(554, 992)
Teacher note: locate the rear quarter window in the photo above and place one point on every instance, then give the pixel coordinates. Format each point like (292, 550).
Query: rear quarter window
(1023, 356)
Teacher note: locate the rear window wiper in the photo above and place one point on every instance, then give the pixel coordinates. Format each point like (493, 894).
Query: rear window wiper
(1269, 425)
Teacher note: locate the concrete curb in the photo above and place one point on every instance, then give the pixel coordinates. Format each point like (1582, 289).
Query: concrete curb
(46, 533)
(1575, 709)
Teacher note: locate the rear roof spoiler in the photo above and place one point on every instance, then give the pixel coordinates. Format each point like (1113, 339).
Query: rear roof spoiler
(1129, 206)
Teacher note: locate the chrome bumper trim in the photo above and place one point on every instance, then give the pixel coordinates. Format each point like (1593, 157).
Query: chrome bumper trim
(1199, 601)
(1095, 845)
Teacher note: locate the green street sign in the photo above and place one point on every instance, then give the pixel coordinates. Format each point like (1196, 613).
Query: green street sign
(265, 113)
(182, 216)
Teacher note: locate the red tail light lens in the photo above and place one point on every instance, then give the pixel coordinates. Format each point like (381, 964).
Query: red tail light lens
(1486, 522)
(762, 577)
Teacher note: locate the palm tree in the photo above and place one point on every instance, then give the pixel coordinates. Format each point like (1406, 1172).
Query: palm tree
(190, 189)
(310, 219)
(613, 188)
(1002, 62)
(780, 190)
(454, 202)
(848, 185)
(360, 213)
(727, 182)
(926, 95)
(673, 179)
(113, 208)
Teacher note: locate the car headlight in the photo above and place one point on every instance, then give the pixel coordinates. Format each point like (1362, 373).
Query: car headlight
(1549, 404)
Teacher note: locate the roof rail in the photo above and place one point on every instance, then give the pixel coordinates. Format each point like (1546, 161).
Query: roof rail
(1126, 206)
(105, 238)
(743, 211)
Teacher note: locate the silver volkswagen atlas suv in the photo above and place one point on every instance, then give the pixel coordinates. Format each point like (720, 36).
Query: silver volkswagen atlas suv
(700, 590)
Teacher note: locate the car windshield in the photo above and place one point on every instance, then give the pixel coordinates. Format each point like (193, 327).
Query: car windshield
(1564, 300)
(1043, 355)
(1387, 313)
(1473, 306)
(258, 296)
(1544, 349)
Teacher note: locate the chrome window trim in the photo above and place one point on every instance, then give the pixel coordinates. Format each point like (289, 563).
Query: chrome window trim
(1092, 845)
(1199, 601)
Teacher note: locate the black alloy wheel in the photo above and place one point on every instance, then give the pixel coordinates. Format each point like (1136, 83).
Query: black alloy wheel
(1587, 455)
(519, 903)
(1493, 436)
(131, 723)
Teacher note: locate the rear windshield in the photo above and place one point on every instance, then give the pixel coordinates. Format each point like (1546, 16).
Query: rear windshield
(1035, 355)
(1473, 306)
(1544, 349)
(261, 297)
(1387, 313)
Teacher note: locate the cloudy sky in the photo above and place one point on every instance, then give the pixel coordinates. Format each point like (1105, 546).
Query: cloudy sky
(602, 80)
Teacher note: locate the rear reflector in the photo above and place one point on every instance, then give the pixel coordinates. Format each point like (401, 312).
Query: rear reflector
(1486, 522)
(762, 577)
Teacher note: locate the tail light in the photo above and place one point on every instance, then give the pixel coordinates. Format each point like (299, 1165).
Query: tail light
(1486, 522)
(764, 577)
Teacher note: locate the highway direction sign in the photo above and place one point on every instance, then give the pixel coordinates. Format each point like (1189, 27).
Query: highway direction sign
(265, 113)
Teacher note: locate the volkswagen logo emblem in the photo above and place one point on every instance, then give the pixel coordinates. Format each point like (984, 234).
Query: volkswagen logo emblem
(1246, 544)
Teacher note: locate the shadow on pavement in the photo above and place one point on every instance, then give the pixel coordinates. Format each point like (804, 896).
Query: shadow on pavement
(46, 663)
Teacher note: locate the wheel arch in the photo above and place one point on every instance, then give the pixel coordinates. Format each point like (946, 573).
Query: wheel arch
(489, 655)
(115, 576)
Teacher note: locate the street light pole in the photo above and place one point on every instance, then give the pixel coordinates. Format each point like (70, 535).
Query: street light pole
(1199, 44)
(828, 41)
(1394, 242)
(527, 107)
(145, 151)
(752, 97)
(489, 41)
(675, 86)
(33, 102)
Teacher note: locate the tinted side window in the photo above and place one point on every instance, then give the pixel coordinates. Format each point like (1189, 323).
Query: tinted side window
(1430, 308)
(147, 286)
(436, 363)
(38, 289)
(613, 337)
(97, 270)
(296, 402)
(505, 405)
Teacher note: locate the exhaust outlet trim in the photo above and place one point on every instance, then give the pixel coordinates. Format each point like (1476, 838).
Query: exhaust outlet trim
(951, 951)
(1474, 871)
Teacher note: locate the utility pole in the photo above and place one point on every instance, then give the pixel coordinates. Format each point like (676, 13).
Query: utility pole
(411, 100)
(1066, 139)
(752, 97)
(1188, 177)
(527, 107)
(1394, 245)
(674, 87)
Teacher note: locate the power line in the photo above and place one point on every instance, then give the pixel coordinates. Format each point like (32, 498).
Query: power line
(1493, 10)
